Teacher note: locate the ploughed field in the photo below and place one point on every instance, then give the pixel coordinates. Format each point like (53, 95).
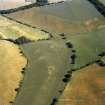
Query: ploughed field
(59, 44)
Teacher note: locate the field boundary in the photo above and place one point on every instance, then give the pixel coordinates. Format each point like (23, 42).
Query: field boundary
(98, 5)
(8, 11)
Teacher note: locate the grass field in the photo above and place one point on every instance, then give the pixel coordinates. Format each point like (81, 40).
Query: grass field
(88, 46)
(87, 87)
(11, 64)
(13, 30)
(68, 17)
(48, 62)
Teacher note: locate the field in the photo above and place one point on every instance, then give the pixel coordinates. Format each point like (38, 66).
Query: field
(88, 46)
(68, 17)
(82, 24)
(87, 87)
(11, 65)
(47, 65)
(12, 30)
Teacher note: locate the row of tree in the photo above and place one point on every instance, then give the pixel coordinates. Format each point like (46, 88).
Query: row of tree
(99, 6)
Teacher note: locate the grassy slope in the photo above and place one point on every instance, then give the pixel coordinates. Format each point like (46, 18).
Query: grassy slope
(12, 29)
(87, 87)
(11, 65)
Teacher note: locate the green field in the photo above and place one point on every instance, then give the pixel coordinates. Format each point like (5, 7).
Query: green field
(88, 46)
(48, 62)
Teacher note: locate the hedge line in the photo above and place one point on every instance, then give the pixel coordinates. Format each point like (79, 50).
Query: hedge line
(99, 6)
(25, 7)
(18, 9)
